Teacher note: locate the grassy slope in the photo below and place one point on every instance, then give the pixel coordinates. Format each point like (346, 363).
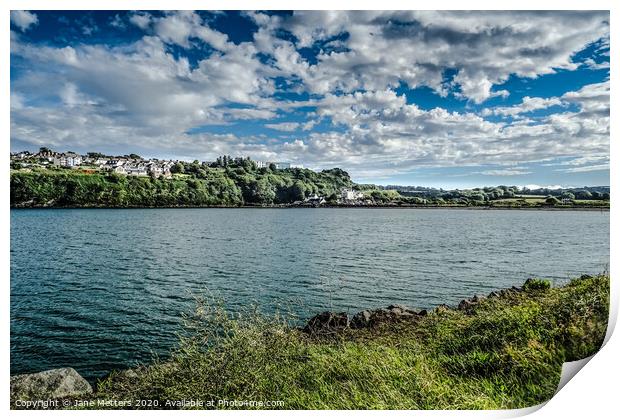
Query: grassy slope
(507, 353)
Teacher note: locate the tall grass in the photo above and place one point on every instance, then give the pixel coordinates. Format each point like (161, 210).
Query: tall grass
(504, 353)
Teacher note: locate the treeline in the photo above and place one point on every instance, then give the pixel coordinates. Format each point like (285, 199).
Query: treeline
(192, 185)
(501, 192)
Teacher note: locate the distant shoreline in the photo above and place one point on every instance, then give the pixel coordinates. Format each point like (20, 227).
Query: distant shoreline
(286, 207)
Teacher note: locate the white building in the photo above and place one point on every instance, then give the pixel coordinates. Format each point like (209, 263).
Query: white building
(350, 194)
(69, 160)
(136, 170)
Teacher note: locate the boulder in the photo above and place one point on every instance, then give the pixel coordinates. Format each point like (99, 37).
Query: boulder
(401, 311)
(326, 322)
(465, 304)
(50, 384)
(361, 319)
(391, 314)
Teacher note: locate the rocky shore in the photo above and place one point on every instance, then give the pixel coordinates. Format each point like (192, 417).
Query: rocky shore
(335, 322)
(58, 384)
(61, 388)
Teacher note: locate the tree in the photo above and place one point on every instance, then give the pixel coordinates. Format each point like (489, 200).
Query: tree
(298, 191)
(177, 168)
(261, 192)
(583, 195)
(273, 167)
(478, 197)
(552, 200)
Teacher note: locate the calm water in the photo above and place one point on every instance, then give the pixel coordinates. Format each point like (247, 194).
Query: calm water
(103, 289)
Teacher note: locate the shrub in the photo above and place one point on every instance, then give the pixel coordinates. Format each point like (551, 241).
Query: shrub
(536, 284)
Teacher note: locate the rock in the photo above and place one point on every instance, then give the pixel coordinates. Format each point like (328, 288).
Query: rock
(361, 319)
(327, 322)
(402, 311)
(391, 314)
(494, 295)
(465, 304)
(442, 308)
(403, 308)
(397, 311)
(50, 384)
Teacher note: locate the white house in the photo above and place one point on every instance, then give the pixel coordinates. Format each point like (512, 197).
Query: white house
(350, 194)
(69, 160)
(138, 170)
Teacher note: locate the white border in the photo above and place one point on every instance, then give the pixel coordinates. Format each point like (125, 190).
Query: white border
(594, 392)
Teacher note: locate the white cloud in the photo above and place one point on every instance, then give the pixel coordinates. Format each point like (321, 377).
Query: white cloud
(141, 20)
(285, 126)
(527, 104)
(118, 22)
(484, 48)
(505, 172)
(591, 168)
(23, 19)
(141, 95)
(537, 187)
(180, 27)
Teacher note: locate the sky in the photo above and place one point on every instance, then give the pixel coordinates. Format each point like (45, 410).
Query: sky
(454, 99)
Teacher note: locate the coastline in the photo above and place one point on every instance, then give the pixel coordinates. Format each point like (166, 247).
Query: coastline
(436, 342)
(396, 207)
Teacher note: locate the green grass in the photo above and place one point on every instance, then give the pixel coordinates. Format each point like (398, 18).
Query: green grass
(504, 353)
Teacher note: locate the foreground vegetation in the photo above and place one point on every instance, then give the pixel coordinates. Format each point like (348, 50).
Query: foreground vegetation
(504, 352)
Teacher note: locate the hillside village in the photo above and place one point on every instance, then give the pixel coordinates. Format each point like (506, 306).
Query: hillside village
(133, 165)
(243, 181)
(130, 165)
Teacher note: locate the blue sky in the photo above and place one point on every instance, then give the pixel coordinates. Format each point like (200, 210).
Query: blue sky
(446, 99)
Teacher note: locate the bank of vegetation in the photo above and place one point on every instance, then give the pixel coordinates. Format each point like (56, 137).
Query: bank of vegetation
(193, 185)
(239, 182)
(504, 351)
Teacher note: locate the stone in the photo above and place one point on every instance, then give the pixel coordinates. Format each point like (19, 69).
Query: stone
(327, 322)
(494, 295)
(442, 308)
(402, 308)
(49, 384)
(361, 319)
(465, 304)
